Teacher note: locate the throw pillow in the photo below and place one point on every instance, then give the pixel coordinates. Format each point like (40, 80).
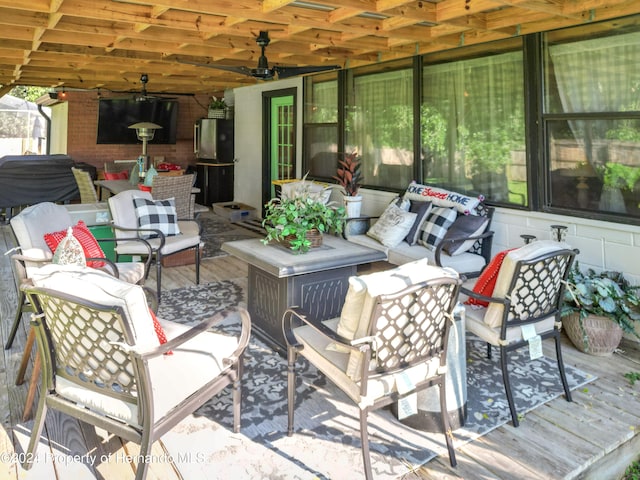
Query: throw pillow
(81, 232)
(156, 214)
(162, 336)
(487, 280)
(464, 226)
(435, 226)
(69, 251)
(422, 210)
(442, 197)
(116, 175)
(392, 226)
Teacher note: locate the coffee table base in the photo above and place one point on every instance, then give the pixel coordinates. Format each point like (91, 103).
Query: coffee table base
(321, 294)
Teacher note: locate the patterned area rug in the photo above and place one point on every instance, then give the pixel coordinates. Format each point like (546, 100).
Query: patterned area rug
(216, 230)
(326, 442)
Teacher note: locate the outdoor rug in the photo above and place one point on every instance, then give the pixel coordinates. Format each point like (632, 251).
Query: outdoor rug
(326, 441)
(216, 230)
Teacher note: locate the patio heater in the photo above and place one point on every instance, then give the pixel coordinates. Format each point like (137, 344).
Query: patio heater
(145, 132)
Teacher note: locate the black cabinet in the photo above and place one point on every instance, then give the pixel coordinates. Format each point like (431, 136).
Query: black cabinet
(215, 181)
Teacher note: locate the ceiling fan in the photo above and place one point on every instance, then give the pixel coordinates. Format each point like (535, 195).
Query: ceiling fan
(143, 95)
(262, 71)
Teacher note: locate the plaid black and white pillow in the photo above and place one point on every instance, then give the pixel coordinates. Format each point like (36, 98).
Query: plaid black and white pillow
(157, 214)
(435, 227)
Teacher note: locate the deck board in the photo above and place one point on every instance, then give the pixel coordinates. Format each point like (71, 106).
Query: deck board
(558, 440)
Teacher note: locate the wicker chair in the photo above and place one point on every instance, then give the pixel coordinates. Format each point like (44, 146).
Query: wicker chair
(88, 192)
(178, 187)
(103, 363)
(405, 332)
(528, 294)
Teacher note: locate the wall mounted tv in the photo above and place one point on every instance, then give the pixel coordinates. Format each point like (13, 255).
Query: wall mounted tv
(116, 114)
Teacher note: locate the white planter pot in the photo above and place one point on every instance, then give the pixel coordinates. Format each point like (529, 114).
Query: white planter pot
(353, 206)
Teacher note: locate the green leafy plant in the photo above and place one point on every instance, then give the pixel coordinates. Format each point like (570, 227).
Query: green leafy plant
(620, 176)
(606, 294)
(348, 174)
(216, 104)
(291, 217)
(633, 377)
(632, 472)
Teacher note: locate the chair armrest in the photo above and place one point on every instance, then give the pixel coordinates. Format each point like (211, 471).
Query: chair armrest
(148, 256)
(477, 296)
(293, 313)
(201, 327)
(362, 218)
(196, 221)
(450, 241)
(137, 238)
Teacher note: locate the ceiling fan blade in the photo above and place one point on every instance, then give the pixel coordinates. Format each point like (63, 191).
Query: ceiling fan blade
(286, 72)
(229, 68)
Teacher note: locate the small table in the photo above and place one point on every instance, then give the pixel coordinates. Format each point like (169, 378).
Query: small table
(279, 278)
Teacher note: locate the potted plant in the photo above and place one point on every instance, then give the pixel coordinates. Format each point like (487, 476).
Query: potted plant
(300, 220)
(217, 108)
(348, 176)
(598, 308)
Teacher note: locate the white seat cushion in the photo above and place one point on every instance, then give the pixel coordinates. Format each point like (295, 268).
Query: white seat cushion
(475, 323)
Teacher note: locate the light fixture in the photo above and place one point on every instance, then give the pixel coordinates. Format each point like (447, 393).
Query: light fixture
(558, 232)
(145, 132)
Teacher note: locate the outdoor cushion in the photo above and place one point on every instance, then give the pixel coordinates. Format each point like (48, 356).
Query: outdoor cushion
(362, 292)
(422, 210)
(435, 226)
(442, 197)
(124, 175)
(493, 317)
(89, 244)
(464, 226)
(157, 214)
(69, 251)
(98, 286)
(392, 226)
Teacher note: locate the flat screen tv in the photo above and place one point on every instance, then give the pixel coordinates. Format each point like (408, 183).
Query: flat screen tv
(116, 114)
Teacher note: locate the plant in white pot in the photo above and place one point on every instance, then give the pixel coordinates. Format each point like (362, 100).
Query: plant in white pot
(349, 177)
(598, 308)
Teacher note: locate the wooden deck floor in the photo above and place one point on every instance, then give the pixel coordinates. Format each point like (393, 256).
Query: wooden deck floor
(594, 437)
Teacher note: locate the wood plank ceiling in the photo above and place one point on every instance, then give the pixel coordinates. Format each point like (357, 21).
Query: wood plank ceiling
(106, 44)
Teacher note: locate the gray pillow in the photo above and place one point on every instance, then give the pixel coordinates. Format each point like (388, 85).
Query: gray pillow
(464, 226)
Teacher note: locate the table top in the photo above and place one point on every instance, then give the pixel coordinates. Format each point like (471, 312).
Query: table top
(280, 261)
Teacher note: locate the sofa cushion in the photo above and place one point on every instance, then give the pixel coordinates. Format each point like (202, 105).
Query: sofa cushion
(465, 262)
(442, 197)
(157, 214)
(493, 317)
(422, 210)
(392, 226)
(464, 226)
(436, 225)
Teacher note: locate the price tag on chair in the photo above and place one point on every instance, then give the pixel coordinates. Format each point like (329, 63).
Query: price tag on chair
(535, 341)
(408, 405)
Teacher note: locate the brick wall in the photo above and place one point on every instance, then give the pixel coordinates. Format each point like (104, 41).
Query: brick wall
(83, 126)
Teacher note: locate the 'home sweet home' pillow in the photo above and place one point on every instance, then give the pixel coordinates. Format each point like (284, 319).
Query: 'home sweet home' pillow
(441, 197)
